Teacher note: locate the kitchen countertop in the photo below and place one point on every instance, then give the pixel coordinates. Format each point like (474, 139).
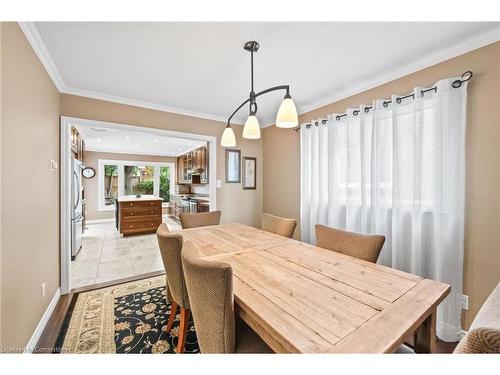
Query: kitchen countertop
(133, 198)
(194, 196)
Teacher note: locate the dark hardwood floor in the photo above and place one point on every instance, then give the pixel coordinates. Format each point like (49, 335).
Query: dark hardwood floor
(443, 347)
(48, 340)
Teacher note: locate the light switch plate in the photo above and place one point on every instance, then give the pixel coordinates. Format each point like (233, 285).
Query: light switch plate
(53, 165)
(465, 302)
(219, 183)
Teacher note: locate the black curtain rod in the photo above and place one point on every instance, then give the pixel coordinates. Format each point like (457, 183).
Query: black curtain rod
(455, 84)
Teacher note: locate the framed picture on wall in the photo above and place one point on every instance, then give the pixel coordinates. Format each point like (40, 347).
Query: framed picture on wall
(233, 166)
(249, 173)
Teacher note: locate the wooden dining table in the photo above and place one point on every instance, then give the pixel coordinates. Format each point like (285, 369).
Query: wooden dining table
(301, 298)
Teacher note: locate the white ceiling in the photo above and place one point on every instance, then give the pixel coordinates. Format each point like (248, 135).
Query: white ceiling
(109, 139)
(202, 69)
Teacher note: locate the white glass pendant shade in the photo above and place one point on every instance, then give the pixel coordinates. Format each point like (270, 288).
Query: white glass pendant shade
(228, 139)
(252, 128)
(287, 114)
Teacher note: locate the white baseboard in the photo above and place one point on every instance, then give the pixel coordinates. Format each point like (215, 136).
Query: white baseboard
(43, 322)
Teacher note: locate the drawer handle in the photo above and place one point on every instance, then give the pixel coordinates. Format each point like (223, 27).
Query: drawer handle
(131, 213)
(131, 226)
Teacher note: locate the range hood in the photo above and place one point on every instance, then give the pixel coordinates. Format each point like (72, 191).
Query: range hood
(197, 170)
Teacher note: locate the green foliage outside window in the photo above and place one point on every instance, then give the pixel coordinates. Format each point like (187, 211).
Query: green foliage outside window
(165, 183)
(110, 170)
(145, 187)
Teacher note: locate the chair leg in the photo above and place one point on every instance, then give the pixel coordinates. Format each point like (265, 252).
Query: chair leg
(183, 330)
(171, 318)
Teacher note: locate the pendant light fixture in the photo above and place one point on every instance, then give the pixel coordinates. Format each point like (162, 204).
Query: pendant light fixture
(286, 117)
(251, 130)
(228, 138)
(287, 114)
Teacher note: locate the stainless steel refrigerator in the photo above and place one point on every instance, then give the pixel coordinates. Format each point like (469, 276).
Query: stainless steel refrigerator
(76, 211)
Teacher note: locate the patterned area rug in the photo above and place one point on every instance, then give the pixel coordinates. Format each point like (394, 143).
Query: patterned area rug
(128, 318)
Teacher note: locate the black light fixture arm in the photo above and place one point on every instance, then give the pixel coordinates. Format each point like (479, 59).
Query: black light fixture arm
(253, 104)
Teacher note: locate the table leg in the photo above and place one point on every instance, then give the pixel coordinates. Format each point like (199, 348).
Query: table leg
(425, 335)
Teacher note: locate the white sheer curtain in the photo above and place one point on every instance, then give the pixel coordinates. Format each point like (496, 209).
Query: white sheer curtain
(399, 170)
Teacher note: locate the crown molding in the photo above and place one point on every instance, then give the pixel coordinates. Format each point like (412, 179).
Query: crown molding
(36, 42)
(479, 41)
(142, 104)
(420, 64)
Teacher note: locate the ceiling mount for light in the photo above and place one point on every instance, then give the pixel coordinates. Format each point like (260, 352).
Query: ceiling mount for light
(287, 113)
(252, 46)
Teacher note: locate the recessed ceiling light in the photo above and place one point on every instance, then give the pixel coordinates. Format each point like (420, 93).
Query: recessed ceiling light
(99, 139)
(127, 137)
(155, 140)
(190, 143)
(138, 146)
(179, 149)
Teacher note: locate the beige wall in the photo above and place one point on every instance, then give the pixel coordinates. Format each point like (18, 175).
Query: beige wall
(91, 185)
(482, 237)
(0, 187)
(29, 189)
(239, 205)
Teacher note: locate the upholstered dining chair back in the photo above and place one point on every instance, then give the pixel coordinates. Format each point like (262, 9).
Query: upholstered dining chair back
(170, 249)
(362, 246)
(210, 287)
(201, 219)
(279, 225)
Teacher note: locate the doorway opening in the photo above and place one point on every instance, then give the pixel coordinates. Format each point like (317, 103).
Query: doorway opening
(109, 173)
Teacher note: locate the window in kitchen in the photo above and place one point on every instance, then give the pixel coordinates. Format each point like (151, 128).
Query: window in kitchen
(139, 179)
(118, 177)
(110, 184)
(165, 183)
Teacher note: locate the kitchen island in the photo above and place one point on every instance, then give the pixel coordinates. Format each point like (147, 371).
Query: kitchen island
(138, 215)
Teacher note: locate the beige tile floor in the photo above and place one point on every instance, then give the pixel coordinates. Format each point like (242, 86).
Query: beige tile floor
(106, 255)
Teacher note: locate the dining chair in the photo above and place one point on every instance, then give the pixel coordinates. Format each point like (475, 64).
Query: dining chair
(279, 225)
(363, 246)
(210, 289)
(484, 333)
(170, 249)
(201, 219)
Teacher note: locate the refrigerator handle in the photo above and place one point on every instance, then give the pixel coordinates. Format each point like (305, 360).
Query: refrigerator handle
(78, 188)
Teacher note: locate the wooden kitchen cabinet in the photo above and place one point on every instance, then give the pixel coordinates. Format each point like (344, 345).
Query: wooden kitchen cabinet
(193, 163)
(77, 145)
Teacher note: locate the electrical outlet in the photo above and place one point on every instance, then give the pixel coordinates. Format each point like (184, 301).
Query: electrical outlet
(43, 290)
(219, 183)
(465, 302)
(53, 165)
